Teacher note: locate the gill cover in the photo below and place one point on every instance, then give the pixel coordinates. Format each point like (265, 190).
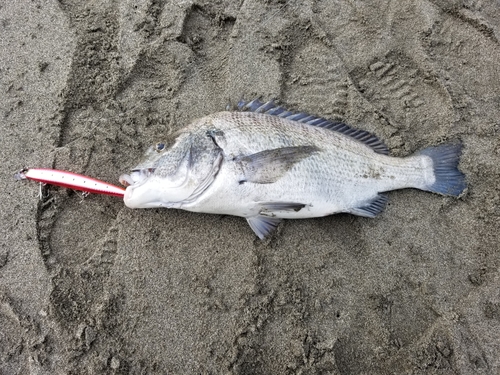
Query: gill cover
(169, 177)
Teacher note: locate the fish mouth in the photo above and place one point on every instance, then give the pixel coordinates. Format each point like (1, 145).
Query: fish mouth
(136, 177)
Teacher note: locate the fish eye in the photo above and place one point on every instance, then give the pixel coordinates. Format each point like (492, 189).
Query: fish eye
(159, 147)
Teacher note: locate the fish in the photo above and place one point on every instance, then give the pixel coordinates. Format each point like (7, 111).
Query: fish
(265, 164)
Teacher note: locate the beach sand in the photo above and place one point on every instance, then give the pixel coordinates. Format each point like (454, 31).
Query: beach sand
(88, 286)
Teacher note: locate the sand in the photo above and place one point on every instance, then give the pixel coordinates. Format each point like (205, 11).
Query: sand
(88, 286)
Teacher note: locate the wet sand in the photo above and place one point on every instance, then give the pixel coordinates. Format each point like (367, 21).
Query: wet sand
(90, 286)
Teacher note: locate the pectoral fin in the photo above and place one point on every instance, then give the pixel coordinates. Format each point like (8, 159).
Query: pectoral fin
(269, 166)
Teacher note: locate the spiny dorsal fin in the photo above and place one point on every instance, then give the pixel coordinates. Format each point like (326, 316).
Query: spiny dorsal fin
(270, 108)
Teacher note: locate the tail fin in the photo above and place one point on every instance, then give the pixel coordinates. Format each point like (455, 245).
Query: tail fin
(445, 159)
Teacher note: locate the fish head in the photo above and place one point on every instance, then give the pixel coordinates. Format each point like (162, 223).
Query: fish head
(172, 174)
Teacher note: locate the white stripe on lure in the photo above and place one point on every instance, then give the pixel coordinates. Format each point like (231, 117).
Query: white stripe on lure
(70, 180)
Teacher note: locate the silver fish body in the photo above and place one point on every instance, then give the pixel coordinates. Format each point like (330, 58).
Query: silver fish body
(267, 164)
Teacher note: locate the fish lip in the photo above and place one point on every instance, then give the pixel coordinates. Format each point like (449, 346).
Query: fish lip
(136, 177)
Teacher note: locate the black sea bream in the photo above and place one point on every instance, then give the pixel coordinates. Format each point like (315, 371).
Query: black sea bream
(267, 164)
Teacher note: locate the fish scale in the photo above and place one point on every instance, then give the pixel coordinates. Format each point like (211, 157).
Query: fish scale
(266, 163)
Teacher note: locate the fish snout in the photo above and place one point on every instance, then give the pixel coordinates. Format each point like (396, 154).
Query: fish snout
(136, 176)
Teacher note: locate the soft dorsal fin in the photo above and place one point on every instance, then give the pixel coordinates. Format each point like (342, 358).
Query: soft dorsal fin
(270, 108)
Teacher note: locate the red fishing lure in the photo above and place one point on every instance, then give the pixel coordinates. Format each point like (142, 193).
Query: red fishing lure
(70, 180)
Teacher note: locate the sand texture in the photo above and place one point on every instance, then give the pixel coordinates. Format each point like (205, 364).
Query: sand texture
(88, 286)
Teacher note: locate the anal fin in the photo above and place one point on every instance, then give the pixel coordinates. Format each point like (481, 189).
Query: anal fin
(373, 208)
(263, 225)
